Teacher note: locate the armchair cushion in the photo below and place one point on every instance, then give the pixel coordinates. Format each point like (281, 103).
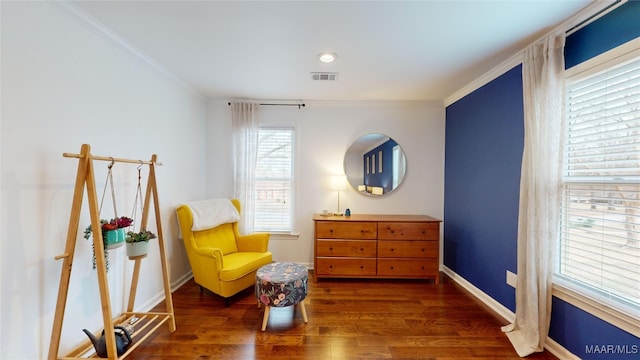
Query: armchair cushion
(239, 264)
(220, 237)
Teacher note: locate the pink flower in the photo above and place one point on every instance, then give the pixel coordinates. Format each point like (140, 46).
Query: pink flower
(124, 222)
(264, 299)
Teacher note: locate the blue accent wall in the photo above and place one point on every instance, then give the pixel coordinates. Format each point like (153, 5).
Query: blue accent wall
(577, 330)
(483, 150)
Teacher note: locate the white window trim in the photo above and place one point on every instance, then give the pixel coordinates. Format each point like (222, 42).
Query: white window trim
(625, 321)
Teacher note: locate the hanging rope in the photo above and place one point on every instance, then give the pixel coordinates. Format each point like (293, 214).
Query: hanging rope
(134, 211)
(109, 181)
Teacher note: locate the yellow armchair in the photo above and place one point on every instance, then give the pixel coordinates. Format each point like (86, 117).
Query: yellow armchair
(222, 260)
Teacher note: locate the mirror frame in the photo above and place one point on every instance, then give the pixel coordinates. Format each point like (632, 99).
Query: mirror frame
(370, 167)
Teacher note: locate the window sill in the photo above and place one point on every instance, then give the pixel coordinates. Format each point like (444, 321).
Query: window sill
(602, 311)
(284, 236)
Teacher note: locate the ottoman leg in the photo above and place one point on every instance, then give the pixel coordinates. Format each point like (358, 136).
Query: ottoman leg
(304, 311)
(265, 317)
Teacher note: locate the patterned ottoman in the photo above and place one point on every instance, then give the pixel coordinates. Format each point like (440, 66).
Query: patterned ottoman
(281, 284)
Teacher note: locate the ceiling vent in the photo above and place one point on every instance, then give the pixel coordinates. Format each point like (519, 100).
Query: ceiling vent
(330, 76)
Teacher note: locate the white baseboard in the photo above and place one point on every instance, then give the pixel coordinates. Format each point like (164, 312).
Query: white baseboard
(152, 302)
(558, 350)
(482, 296)
(552, 346)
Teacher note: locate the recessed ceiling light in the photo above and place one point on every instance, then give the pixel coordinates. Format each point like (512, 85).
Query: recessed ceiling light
(327, 57)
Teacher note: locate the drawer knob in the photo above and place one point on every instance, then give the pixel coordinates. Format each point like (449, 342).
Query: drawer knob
(423, 268)
(331, 249)
(361, 249)
(361, 266)
(392, 231)
(423, 250)
(424, 231)
(391, 249)
(391, 267)
(330, 266)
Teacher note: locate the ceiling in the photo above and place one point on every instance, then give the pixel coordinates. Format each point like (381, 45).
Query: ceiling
(387, 50)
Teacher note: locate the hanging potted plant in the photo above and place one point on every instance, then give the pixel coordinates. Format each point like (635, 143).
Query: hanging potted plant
(113, 235)
(138, 243)
(114, 232)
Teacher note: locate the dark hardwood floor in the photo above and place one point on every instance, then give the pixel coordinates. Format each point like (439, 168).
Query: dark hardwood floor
(348, 319)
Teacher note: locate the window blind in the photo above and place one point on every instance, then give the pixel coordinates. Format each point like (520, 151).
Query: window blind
(599, 247)
(274, 180)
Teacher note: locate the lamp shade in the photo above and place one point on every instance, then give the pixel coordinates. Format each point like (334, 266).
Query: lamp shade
(339, 182)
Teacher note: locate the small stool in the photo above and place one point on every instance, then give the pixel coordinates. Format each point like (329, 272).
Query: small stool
(281, 284)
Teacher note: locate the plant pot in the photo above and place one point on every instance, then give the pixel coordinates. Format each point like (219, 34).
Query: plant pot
(114, 238)
(137, 248)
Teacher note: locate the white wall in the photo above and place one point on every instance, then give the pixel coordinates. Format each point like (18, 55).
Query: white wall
(65, 84)
(324, 131)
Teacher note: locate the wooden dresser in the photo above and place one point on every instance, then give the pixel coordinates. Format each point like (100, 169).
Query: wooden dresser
(377, 246)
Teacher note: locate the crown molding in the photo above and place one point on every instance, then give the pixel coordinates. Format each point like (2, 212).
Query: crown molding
(70, 8)
(485, 78)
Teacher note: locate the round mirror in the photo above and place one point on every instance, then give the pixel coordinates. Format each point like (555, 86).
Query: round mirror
(375, 164)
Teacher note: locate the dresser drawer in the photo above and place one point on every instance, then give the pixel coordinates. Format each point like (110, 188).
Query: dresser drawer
(410, 249)
(408, 231)
(345, 266)
(408, 268)
(346, 230)
(352, 248)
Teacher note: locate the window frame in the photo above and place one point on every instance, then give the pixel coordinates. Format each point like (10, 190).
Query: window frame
(625, 318)
(288, 233)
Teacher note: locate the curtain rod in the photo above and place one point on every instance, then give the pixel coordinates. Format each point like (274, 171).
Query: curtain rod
(595, 16)
(298, 105)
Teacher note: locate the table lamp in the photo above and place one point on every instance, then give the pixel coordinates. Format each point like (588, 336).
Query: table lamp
(339, 183)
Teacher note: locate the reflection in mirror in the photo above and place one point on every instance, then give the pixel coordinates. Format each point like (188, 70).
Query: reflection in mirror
(375, 164)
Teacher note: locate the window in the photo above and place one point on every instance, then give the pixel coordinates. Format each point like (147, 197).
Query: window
(274, 180)
(599, 245)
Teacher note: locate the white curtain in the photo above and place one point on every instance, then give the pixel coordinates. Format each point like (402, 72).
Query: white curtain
(539, 213)
(245, 126)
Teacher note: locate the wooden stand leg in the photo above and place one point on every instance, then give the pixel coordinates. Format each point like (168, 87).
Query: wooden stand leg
(265, 317)
(304, 312)
(134, 283)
